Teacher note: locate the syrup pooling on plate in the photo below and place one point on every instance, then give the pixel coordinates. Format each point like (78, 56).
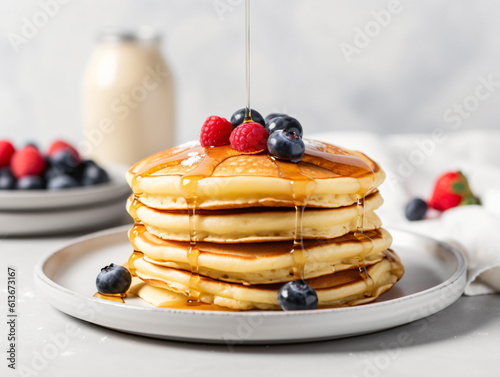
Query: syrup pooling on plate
(114, 298)
(196, 305)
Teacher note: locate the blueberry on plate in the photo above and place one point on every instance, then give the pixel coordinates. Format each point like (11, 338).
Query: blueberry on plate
(7, 180)
(286, 145)
(78, 172)
(30, 182)
(284, 123)
(113, 280)
(93, 174)
(297, 295)
(64, 161)
(54, 171)
(62, 182)
(415, 209)
(274, 115)
(239, 116)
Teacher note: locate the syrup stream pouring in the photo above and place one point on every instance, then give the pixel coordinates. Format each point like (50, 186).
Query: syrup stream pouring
(248, 109)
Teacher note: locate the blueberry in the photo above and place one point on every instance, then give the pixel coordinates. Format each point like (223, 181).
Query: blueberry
(93, 174)
(113, 280)
(7, 180)
(31, 182)
(286, 145)
(239, 116)
(274, 115)
(48, 162)
(64, 161)
(61, 182)
(416, 209)
(297, 295)
(284, 123)
(53, 172)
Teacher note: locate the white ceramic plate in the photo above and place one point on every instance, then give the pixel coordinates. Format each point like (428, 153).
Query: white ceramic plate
(97, 216)
(434, 279)
(35, 200)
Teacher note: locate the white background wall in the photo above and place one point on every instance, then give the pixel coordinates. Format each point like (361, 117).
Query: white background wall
(427, 58)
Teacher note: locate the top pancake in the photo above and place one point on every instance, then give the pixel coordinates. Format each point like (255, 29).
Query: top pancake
(335, 177)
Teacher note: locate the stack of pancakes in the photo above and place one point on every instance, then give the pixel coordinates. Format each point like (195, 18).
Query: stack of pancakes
(219, 227)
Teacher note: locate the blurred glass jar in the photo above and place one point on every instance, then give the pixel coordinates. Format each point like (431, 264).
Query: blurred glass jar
(128, 99)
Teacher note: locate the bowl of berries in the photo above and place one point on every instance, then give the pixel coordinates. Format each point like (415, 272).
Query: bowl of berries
(56, 190)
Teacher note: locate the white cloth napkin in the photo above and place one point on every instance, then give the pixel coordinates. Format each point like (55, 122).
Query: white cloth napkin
(413, 162)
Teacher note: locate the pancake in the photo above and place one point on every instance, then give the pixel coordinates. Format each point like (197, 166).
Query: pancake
(262, 263)
(263, 225)
(337, 289)
(245, 180)
(225, 230)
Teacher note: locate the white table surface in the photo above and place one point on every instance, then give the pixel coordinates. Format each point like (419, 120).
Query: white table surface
(462, 340)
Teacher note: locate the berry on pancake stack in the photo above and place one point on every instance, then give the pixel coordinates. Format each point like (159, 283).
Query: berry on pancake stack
(256, 217)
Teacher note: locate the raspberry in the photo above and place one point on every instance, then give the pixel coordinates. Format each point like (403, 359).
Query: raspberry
(27, 161)
(6, 152)
(215, 132)
(58, 145)
(249, 138)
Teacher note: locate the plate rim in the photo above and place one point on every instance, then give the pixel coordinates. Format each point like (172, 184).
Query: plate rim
(115, 171)
(40, 276)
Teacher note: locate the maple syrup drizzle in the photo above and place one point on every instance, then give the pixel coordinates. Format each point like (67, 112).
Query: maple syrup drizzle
(155, 165)
(396, 265)
(130, 264)
(248, 109)
(301, 186)
(349, 166)
(207, 160)
(137, 230)
(366, 242)
(134, 206)
(189, 187)
(367, 245)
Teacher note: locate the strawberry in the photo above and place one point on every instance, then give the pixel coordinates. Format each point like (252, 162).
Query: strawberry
(58, 145)
(27, 161)
(6, 152)
(451, 190)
